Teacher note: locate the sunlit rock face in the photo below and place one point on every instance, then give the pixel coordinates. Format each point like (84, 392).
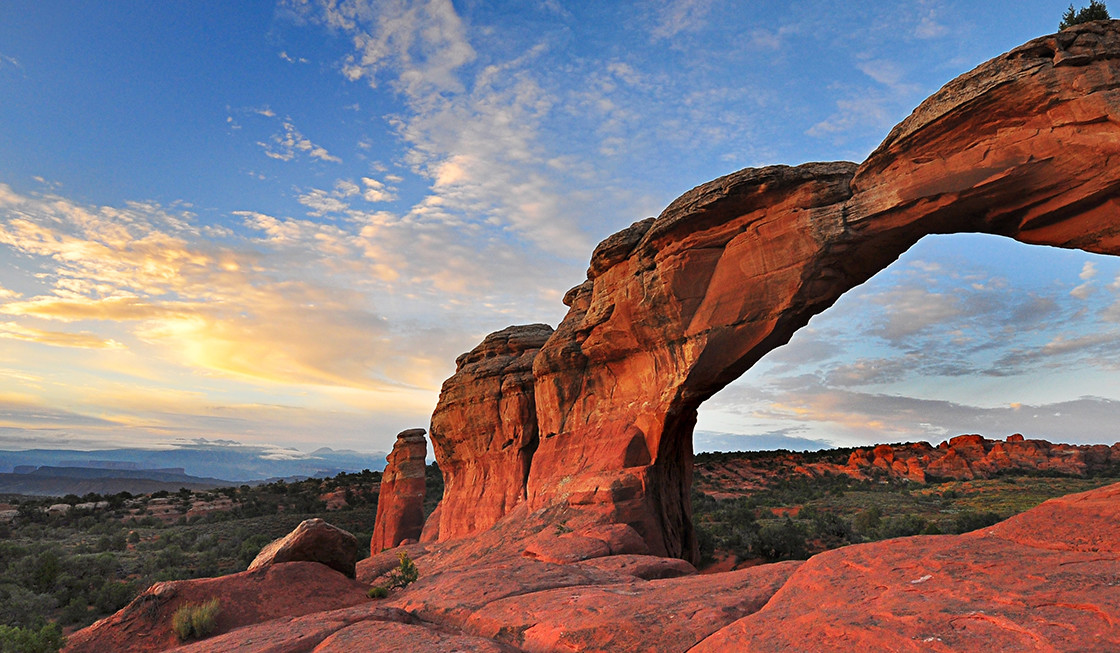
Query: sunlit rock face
(484, 432)
(400, 501)
(676, 307)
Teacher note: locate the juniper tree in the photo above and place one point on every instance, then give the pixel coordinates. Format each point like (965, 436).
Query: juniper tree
(1095, 11)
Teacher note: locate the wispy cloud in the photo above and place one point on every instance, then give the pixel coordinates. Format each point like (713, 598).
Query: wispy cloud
(236, 310)
(83, 340)
(289, 142)
(5, 61)
(672, 17)
(473, 132)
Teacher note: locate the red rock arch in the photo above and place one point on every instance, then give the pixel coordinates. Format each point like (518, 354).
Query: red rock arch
(674, 308)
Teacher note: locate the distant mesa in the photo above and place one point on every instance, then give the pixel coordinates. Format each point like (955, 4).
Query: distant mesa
(962, 458)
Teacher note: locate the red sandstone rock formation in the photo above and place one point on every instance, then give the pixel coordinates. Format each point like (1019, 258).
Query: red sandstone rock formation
(972, 456)
(1025, 146)
(960, 458)
(314, 540)
(283, 590)
(484, 431)
(400, 502)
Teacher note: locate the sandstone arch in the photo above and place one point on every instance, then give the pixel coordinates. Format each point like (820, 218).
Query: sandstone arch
(1025, 146)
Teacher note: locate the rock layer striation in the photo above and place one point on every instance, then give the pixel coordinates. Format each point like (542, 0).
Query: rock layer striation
(484, 432)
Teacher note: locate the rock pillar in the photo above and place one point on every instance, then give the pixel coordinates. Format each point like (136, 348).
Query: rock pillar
(400, 503)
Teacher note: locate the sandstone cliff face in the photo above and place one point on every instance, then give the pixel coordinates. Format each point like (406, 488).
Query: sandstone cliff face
(484, 432)
(400, 504)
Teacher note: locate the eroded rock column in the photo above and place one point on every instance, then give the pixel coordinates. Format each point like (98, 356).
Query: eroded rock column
(484, 431)
(400, 502)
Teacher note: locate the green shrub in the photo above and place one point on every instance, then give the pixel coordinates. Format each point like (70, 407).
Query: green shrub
(378, 592)
(782, 540)
(405, 574)
(1095, 11)
(195, 621)
(46, 639)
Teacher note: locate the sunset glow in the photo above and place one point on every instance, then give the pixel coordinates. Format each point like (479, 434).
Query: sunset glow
(280, 223)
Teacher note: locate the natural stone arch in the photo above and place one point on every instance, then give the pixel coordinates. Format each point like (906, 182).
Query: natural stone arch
(674, 308)
(1024, 146)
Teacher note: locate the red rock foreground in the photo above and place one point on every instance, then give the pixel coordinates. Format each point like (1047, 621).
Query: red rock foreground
(1045, 580)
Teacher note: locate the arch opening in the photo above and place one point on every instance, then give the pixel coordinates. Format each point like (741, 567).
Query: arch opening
(965, 333)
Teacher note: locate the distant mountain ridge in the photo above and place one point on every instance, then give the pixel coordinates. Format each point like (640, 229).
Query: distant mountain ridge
(195, 465)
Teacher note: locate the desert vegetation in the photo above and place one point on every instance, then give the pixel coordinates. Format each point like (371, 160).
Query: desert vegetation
(1093, 11)
(794, 517)
(63, 570)
(195, 621)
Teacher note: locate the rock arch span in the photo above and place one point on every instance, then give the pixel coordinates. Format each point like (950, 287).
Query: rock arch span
(1026, 146)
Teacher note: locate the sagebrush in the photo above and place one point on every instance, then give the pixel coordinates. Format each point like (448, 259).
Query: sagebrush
(194, 620)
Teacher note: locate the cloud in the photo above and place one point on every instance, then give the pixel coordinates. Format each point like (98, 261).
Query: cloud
(672, 17)
(1100, 349)
(869, 372)
(1085, 290)
(290, 59)
(84, 340)
(846, 417)
(929, 28)
(423, 43)
(257, 312)
(914, 310)
(861, 111)
(474, 132)
(285, 145)
(376, 191)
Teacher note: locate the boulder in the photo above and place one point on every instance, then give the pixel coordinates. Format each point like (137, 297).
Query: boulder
(314, 540)
(283, 590)
(400, 501)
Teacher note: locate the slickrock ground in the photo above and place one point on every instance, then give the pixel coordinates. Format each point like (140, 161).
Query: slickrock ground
(1045, 580)
(281, 591)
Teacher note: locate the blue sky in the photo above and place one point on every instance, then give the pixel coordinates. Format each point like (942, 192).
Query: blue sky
(279, 223)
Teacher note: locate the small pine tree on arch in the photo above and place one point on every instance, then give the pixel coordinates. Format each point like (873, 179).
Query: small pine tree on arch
(1095, 11)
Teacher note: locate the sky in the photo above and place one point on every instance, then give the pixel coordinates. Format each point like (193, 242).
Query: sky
(278, 223)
